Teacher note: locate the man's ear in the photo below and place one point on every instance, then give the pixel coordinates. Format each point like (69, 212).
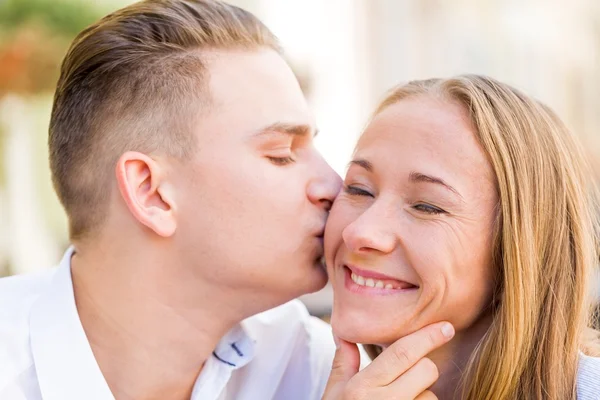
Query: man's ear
(142, 185)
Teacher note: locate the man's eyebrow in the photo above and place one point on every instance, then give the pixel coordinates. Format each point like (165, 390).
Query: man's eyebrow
(289, 129)
(363, 163)
(420, 177)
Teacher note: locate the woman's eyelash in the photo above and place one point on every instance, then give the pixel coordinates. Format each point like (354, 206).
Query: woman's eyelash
(421, 207)
(428, 209)
(281, 160)
(354, 191)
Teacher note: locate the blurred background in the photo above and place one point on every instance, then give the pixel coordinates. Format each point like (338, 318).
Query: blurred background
(346, 53)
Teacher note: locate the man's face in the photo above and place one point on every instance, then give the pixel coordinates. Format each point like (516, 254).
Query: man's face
(253, 202)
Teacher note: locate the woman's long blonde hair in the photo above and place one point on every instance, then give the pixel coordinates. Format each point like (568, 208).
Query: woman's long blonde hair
(546, 245)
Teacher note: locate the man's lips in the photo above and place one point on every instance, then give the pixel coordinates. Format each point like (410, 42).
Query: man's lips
(321, 236)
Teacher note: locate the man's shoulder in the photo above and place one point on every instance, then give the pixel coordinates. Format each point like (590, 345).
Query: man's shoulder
(290, 329)
(289, 317)
(17, 296)
(294, 308)
(298, 344)
(19, 292)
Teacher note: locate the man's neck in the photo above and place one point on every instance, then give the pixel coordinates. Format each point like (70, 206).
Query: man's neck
(149, 337)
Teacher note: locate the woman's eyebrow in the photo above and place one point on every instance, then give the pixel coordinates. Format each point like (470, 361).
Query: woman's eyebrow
(417, 177)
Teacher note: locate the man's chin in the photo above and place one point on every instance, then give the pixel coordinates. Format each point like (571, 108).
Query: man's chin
(321, 278)
(311, 282)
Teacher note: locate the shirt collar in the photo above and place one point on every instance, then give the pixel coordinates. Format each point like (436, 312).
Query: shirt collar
(236, 349)
(64, 361)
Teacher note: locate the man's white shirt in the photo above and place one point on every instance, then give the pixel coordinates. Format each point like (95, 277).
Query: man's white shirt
(283, 353)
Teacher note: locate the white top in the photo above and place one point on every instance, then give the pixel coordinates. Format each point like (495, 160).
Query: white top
(588, 378)
(283, 353)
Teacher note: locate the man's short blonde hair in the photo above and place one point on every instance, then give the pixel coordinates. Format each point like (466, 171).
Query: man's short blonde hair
(136, 80)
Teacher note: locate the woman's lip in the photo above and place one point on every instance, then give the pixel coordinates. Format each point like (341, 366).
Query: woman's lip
(375, 275)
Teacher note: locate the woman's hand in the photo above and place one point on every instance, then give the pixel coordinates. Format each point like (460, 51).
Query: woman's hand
(400, 372)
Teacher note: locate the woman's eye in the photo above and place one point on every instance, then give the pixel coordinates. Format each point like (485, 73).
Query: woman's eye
(428, 209)
(355, 191)
(281, 160)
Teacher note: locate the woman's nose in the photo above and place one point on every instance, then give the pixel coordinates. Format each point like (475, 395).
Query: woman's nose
(371, 231)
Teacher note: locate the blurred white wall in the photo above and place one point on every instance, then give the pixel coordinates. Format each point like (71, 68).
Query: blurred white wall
(549, 49)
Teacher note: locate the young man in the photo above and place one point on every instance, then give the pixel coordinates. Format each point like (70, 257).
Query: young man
(181, 148)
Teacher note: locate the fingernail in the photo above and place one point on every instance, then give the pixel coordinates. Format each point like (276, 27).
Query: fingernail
(447, 330)
(336, 341)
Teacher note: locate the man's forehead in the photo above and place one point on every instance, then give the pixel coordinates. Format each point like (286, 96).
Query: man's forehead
(248, 73)
(257, 89)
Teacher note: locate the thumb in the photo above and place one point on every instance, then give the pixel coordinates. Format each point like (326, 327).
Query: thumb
(346, 364)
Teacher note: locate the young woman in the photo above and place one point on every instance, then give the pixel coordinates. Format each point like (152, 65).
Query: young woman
(470, 202)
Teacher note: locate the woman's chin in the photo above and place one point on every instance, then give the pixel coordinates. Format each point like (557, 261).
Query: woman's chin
(365, 333)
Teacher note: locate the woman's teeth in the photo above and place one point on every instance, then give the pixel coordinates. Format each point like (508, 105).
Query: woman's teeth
(369, 282)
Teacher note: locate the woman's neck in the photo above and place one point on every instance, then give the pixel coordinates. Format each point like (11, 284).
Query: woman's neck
(452, 359)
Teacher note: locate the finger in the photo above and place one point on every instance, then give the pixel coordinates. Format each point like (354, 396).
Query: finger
(404, 353)
(426, 395)
(416, 380)
(346, 363)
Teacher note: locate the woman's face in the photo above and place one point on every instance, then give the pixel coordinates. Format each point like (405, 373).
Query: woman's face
(409, 240)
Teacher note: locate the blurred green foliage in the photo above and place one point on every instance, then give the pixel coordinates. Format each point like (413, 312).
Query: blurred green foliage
(60, 17)
(34, 36)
